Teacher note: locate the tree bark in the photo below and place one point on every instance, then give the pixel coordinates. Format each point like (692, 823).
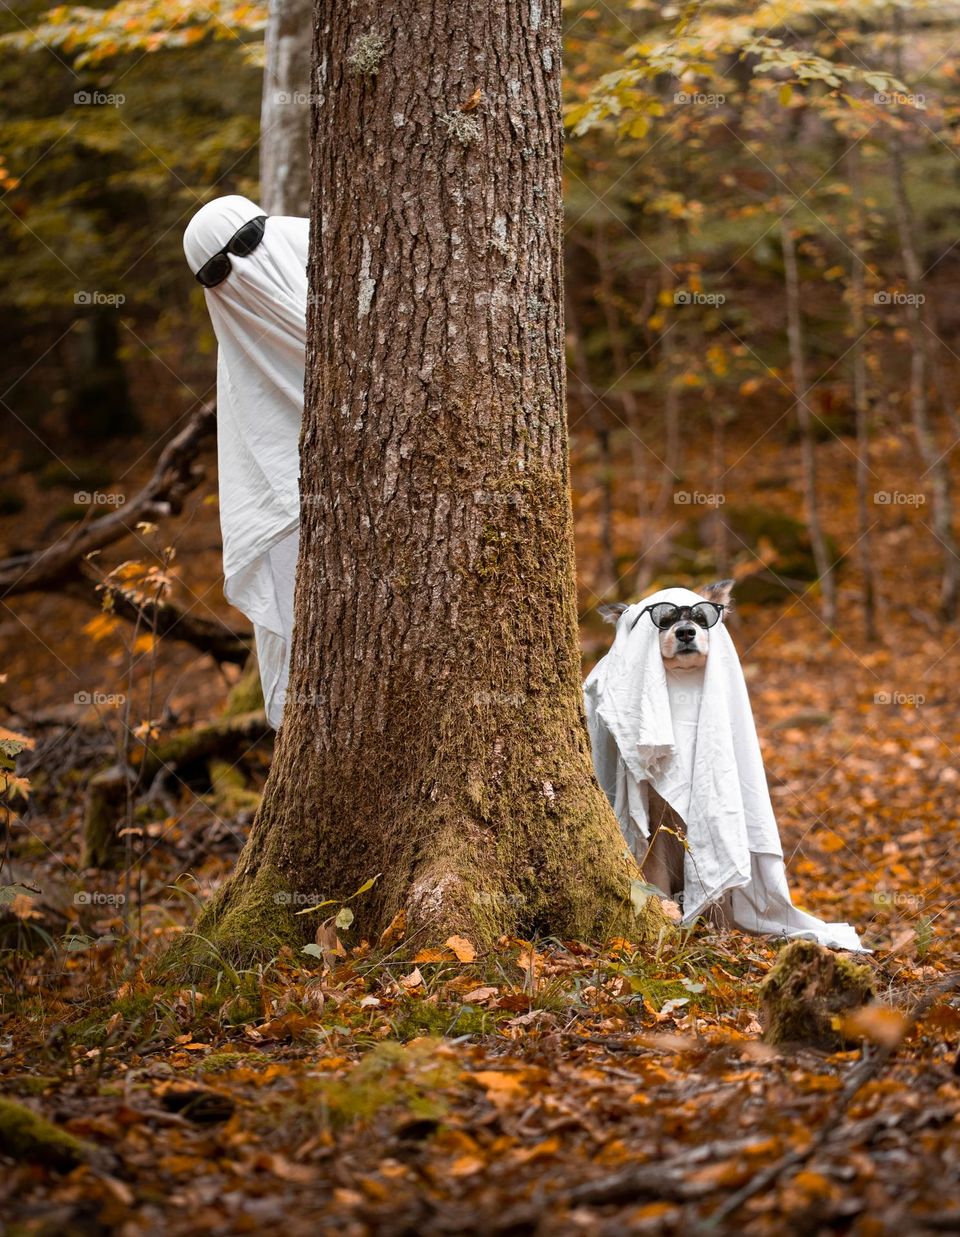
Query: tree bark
(434, 728)
(285, 110)
(610, 302)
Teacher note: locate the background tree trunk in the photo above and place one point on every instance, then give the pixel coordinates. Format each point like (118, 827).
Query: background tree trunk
(285, 109)
(433, 727)
(923, 340)
(798, 366)
(934, 460)
(861, 403)
(595, 413)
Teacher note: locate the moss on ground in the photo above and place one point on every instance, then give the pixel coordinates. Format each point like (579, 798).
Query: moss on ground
(148, 1013)
(217, 1062)
(137, 1009)
(32, 1084)
(24, 1135)
(405, 1077)
(441, 1019)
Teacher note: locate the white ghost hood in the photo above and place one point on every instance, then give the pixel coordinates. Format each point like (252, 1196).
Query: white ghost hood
(690, 734)
(259, 316)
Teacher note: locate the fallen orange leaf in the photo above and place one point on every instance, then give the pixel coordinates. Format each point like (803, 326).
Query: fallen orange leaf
(462, 948)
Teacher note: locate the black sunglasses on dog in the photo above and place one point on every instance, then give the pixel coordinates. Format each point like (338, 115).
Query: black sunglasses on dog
(241, 245)
(664, 614)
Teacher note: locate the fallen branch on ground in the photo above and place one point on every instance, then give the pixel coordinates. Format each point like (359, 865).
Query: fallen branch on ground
(163, 618)
(175, 475)
(60, 567)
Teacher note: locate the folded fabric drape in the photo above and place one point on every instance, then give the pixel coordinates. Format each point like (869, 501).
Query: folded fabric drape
(259, 317)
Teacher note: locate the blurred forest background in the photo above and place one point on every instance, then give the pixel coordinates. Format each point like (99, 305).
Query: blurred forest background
(762, 242)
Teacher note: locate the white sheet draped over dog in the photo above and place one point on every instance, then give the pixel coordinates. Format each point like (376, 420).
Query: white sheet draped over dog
(690, 734)
(259, 316)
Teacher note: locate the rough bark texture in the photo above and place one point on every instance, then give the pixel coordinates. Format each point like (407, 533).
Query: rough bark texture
(433, 729)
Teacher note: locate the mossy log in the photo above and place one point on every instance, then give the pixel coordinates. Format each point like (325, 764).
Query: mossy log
(246, 695)
(806, 992)
(220, 738)
(176, 475)
(212, 743)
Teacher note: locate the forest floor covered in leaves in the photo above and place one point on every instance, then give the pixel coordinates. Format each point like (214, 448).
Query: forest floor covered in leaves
(540, 1089)
(543, 1087)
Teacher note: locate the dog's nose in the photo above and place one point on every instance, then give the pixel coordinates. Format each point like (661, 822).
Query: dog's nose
(686, 633)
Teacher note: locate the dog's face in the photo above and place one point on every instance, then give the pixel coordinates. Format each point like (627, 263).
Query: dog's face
(684, 645)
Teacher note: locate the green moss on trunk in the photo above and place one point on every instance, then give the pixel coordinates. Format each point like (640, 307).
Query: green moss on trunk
(246, 921)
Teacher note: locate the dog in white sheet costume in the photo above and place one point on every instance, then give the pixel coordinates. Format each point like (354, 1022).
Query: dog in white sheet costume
(676, 751)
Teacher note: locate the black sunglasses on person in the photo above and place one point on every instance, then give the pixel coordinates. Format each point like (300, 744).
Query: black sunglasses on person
(241, 244)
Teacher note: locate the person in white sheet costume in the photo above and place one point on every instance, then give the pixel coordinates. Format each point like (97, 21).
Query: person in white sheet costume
(258, 312)
(690, 734)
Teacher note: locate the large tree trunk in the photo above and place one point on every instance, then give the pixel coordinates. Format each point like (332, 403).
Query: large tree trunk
(433, 729)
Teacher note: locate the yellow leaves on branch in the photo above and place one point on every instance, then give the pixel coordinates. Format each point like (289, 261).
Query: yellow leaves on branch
(99, 35)
(101, 626)
(718, 360)
(10, 783)
(7, 181)
(11, 745)
(22, 906)
(22, 742)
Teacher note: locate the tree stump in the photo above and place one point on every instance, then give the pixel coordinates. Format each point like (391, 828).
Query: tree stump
(105, 810)
(808, 988)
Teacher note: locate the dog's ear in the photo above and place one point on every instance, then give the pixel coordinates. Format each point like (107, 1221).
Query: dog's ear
(721, 591)
(610, 613)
